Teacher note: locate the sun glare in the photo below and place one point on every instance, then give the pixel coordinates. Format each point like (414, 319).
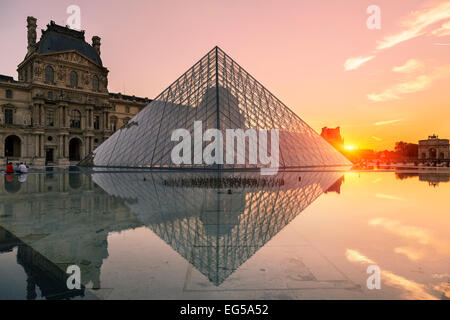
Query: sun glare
(349, 147)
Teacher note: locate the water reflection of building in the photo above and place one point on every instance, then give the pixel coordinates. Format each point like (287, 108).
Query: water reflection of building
(40, 272)
(433, 178)
(64, 217)
(434, 149)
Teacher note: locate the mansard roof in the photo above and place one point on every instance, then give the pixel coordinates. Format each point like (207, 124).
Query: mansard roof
(4, 78)
(58, 38)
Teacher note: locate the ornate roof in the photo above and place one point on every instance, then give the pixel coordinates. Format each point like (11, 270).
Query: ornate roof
(58, 38)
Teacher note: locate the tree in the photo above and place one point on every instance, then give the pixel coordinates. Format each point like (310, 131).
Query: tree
(406, 150)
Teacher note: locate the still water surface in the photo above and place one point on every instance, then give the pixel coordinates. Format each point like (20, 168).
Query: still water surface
(303, 235)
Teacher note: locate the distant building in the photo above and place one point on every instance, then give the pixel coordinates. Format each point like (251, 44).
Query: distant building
(333, 136)
(434, 149)
(59, 110)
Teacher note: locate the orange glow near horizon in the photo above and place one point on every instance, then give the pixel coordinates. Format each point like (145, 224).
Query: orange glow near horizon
(318, 57)
(350, 147)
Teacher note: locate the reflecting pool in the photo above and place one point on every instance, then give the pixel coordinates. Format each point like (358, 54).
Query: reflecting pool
(173, 235)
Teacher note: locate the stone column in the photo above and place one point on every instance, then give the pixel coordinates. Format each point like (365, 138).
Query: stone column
(60, 146)
(35, 115)
(92, 118)
(105, 120)
(63, 117)
(64, 143)
(66, 117)
(42, 111)
(60, 117)
(23, 146)
(66, 146)
(36, 149)
(42, 151)
(86, 145)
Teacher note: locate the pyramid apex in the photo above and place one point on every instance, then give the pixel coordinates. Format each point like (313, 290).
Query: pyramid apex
(217, 48)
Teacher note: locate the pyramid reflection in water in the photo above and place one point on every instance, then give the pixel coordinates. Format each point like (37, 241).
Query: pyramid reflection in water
(222, 95)
(216, 221)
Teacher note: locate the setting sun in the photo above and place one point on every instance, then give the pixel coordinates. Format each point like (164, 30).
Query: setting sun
(349, 147)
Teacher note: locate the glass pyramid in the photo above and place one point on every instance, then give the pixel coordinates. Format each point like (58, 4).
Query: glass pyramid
(222, 95)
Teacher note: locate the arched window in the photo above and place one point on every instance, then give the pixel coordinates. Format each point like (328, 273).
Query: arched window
(13, 146)
(49, 74)
(73, 79)
(75, 119)
(95, 83)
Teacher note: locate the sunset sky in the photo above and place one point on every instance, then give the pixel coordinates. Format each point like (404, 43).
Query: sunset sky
(318, 57)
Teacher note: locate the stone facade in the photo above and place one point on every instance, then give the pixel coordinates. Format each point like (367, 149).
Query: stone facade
(434, 149)
(59, 110)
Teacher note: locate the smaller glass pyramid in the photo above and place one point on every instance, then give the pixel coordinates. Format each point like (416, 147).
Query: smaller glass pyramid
(219, 94)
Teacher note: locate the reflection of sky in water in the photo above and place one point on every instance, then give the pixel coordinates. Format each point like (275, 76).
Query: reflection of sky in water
(200, 236)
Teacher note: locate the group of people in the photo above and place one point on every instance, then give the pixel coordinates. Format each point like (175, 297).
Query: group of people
(21, 168)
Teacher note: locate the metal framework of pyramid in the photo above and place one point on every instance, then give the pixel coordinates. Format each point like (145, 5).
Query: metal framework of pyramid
(221, 94)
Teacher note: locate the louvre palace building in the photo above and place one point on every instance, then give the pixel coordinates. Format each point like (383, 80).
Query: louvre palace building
(59, 110)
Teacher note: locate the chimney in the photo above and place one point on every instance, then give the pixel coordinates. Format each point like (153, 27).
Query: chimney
(96, 43)
(31, 27)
